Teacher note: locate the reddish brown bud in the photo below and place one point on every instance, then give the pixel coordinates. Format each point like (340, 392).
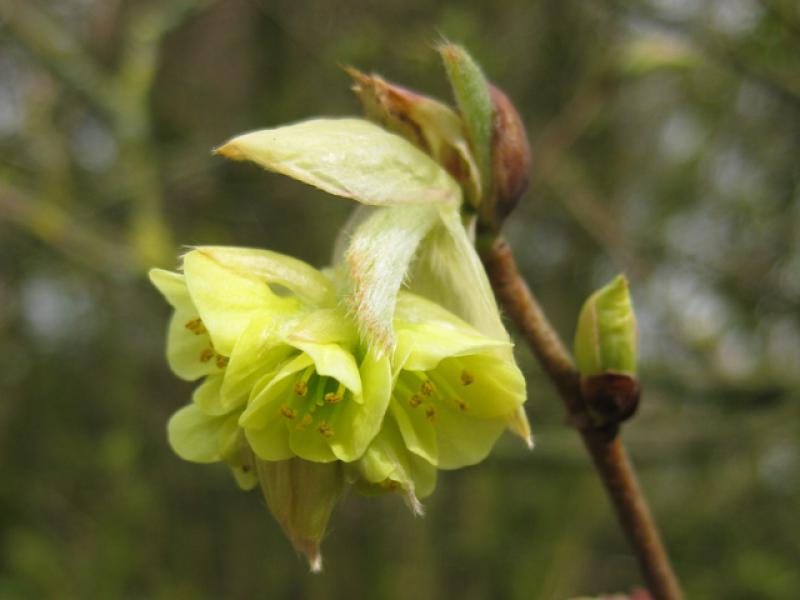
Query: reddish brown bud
(511, 158)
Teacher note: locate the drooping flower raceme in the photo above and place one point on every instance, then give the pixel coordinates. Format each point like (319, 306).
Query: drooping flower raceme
(373, 374)
(287, 377)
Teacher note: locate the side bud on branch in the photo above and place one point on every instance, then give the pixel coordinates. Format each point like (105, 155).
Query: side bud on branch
(511, 159)
(605, 353)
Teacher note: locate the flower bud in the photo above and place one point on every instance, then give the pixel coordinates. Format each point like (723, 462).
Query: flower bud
(301, 495)
(511, 158)
(605, 341)
(605, 353)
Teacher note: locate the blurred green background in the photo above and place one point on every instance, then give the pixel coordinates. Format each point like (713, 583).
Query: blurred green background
(666, 137)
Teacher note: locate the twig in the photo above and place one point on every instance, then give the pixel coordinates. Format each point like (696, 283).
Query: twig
(57, 49)
(122, 96)
(593, 214)
(55, 226)
(607, 450)
(717, 47)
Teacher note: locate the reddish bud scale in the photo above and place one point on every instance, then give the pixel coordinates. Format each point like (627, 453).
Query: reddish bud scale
(511, 159)
(610, 398)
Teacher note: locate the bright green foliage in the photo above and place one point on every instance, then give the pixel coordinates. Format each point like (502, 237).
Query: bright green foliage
(606, 337)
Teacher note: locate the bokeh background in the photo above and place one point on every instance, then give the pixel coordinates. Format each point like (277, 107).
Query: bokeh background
(666, 136)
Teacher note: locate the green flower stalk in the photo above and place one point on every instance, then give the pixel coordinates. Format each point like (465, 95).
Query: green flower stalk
(373, 375)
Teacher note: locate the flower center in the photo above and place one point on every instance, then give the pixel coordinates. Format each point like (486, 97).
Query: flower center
(312, 402)
(432, 390)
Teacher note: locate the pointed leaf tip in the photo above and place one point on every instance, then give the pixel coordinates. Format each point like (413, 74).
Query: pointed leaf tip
(228, 150)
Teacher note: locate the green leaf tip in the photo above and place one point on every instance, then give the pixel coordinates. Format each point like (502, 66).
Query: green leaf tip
(606, 336)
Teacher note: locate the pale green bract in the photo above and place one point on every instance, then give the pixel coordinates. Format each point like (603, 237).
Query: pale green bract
(352, 158)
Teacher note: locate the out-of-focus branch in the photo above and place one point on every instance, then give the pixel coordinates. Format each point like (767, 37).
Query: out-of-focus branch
(782, 12)
(53, 225)
(555, 169)
(49, 42)
(48, 149)
(564, 130)
(121, 95)
(721, 49)
(591, 212)
(146, 28)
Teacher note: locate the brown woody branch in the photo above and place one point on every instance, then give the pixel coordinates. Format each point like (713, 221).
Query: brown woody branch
(604, 445)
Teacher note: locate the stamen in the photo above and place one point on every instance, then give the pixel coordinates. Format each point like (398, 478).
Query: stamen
(207, 354)
(430, 413)
(301, 386)
(288, 412)
(415, 400)
(335, 397)
(325, 429)
(467, 378)
(427, 388)
(196, 326)
(222, 361)
(305, 422)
